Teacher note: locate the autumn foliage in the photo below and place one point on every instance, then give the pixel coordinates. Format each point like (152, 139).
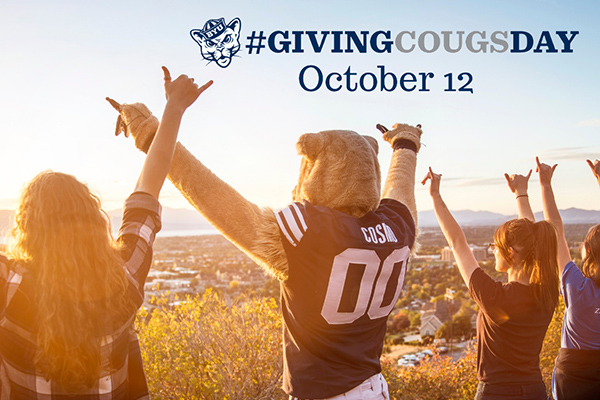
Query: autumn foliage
(436, 378)
(441, 378)
(205, 348)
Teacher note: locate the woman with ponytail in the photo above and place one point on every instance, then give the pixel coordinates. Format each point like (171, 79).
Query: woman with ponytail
(514, 316)
(69, 292)
(577, 370)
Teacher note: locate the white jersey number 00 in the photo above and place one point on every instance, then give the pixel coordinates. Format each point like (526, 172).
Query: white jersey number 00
(367, 291)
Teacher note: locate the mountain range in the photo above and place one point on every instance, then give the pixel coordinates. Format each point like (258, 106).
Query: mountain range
(481, 218)
(183, 220)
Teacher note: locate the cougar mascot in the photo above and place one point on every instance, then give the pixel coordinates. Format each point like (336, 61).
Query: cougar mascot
(339, 250)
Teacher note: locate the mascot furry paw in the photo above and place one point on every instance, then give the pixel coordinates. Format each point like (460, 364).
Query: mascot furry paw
(340, 250)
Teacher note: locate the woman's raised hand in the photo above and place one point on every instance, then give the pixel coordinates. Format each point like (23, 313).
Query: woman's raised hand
(545, 172)
(595, 166)
(182, 92)
(518, 183)
(434, 186)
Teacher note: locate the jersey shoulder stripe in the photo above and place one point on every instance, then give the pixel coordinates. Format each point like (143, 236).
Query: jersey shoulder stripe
(292, 223)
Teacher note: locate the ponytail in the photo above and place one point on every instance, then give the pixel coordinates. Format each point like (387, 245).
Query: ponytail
(536, 244)
(544, 266)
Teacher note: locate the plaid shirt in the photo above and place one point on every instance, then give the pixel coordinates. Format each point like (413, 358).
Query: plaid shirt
(124, 376)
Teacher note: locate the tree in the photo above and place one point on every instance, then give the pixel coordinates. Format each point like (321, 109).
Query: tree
(441, 297)
(204, 349)
(443, 332)
(270, 288)
(415, 320)
(435, 378)
(461, 328)
(399, 323)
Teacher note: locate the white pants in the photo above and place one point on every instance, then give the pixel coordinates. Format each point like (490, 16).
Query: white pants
(374, 388)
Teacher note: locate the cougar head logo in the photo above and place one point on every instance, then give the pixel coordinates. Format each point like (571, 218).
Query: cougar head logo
(218, 42)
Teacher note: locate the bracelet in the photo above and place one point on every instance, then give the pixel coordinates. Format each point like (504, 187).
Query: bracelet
(522, 195)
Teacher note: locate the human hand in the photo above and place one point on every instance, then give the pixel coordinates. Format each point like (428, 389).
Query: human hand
(545, 172)
(434, 186)
(595, 166)
(182, 92)
(518, 183)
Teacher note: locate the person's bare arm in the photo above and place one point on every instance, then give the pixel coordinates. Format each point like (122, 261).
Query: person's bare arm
(518, 185)
(181, 93)
(467, 264)
(551, 213)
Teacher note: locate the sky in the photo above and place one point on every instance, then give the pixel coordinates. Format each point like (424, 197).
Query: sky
(60, 59)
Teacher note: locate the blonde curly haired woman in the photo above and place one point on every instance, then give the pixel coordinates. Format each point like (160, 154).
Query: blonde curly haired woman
(69, 292)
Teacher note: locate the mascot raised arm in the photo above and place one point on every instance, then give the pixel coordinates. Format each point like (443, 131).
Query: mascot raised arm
(340, 249)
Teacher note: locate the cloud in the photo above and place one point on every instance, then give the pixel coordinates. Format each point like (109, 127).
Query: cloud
(463, 181)
(589, 122)
(483, 181)
(570, 153)
(450, 178)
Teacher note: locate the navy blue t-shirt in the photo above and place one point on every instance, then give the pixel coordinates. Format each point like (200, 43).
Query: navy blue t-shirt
(345, 275)
(510, 331)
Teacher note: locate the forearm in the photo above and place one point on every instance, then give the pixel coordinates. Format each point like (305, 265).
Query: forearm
(518, 184)
(456, 239)
(524, 207)
(551, 213)
(452, 231)
(400, 181)
(160, 155)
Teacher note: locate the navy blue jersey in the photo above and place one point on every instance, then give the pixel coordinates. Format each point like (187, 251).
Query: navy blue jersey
(345, 275)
